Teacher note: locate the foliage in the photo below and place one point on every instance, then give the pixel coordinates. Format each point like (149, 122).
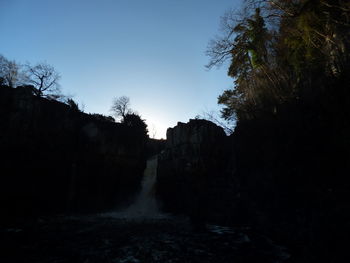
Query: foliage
(121, 107)
(41, 78)
(128, 117)
(135, 121)
(101, 117)
(9, 72)
(277, 50)
(73, 105)
(214, 117)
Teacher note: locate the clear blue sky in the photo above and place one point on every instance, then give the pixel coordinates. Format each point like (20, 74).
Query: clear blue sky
(152, 51)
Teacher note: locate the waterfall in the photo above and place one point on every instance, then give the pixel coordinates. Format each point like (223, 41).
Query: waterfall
(146, 203)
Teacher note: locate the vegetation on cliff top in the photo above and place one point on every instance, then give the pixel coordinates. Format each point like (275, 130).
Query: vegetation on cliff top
(278, 51)
(42, 80)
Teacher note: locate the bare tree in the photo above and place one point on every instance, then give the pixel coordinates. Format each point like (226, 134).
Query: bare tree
(9, 72)
(214, 117)
(121, 107)
(44, 78)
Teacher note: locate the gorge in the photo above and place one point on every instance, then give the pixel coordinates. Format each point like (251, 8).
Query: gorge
(92, 194)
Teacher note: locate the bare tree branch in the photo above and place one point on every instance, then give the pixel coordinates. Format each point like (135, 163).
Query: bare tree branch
(121, 107)
(44, 78)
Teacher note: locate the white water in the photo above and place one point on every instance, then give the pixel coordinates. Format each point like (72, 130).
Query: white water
(145, 205)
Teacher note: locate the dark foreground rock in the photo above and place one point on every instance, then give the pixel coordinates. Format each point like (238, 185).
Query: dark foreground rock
(106, 239)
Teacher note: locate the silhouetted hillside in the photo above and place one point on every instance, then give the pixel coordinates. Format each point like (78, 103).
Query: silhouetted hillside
(55, 158)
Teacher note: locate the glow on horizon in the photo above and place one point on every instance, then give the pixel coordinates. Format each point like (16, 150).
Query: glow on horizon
(151, 51)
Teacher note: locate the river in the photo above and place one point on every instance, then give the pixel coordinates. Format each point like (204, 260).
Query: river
(138, 234)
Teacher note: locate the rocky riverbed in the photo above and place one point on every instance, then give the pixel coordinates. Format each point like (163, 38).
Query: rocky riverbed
(114, 238)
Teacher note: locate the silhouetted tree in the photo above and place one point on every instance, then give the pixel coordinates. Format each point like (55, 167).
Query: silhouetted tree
(214, 117)
(44, 78)
(121, 107)
(276, 49)
(245, 43)
(135, 121)
(72, 104)
(102, 117)
(9, 72)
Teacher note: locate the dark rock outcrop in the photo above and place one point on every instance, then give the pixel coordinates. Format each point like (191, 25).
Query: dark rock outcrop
(155, 146)
(193, 176)
(292, 170)
(56, 159)
(285, 175)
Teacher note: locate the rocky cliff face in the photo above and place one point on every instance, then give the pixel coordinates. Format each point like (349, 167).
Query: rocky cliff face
(284, 175)
(55, 159)
(193, 175)
(293, 178)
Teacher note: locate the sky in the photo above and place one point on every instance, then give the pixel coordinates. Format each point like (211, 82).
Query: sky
(152, 51)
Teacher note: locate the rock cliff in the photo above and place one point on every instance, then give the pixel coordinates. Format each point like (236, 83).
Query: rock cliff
(57, 159)
(193, 175)
(284, 175)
